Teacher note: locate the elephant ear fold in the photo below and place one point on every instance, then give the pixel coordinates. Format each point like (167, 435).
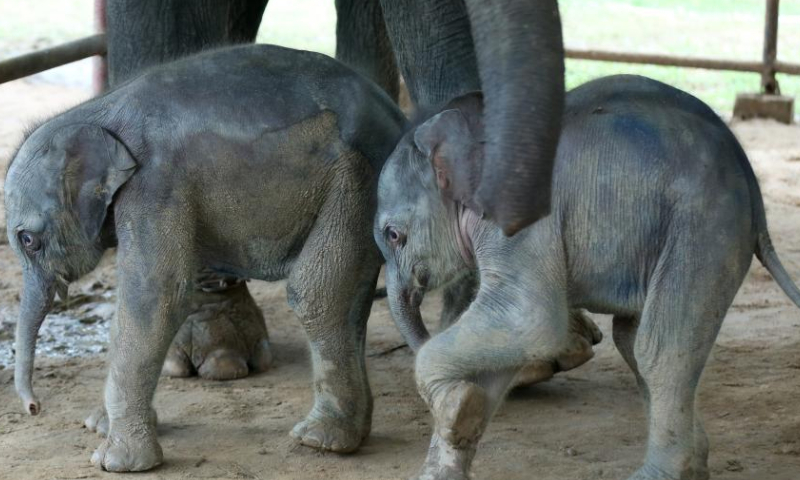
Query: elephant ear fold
(448, 143)
(98, 165)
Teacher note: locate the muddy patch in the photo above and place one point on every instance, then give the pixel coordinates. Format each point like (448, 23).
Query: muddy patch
(76, 327)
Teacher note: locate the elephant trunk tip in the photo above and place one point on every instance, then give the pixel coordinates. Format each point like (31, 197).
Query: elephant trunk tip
(24, 385)
(22, 379)
(32, 406)
(31, 403)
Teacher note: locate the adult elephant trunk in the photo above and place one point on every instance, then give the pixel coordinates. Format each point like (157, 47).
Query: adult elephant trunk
(520, 57)
(404, 303)
(37, 298)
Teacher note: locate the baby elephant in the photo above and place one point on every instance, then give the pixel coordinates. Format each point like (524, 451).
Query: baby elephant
(656, 215)
(254, 162)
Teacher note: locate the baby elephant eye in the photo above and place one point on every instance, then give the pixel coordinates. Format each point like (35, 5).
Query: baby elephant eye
(30, 241)
(394, 236)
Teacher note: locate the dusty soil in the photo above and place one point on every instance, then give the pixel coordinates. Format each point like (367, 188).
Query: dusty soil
(585, 424)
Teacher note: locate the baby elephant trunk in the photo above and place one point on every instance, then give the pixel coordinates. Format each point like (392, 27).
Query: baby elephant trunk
(37, 298)
(404, 303)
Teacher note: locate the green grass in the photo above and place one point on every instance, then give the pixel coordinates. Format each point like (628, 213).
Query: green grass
(729, 29)
(717, 6)
(725, 29)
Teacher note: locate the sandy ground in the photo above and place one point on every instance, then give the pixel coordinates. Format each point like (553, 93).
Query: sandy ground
(585, 424)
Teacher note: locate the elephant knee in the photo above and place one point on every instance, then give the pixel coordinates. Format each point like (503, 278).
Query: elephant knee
(434, 371)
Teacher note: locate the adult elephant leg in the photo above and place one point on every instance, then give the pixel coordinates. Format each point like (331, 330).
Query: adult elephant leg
(433, 45)
(363, 43)
(144, 33)
(225, 336)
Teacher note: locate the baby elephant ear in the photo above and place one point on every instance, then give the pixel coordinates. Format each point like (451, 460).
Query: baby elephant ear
(454, 154)
(98, 165)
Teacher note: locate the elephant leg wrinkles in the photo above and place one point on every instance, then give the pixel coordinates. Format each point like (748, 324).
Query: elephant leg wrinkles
(463, 376)
(331, 288)
(150, 311)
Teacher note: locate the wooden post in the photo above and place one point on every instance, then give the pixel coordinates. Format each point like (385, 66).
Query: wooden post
(770, 103)
(100, 67)
(769, 84)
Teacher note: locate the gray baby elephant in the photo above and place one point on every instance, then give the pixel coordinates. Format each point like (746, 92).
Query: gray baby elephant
(656, 215)
(255, 162)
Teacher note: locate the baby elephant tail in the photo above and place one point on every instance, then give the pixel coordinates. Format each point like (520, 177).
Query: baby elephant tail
(766, 254)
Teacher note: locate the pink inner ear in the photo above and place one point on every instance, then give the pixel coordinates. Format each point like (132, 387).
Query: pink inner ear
(439, 165)
(441, 179)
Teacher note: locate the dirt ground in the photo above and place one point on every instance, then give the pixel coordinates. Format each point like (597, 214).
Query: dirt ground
(585, 424)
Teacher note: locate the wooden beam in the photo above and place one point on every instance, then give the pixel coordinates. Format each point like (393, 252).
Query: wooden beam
(41, 60)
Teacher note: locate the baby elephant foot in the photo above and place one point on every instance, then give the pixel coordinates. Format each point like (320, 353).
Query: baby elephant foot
(460, 414)
(583, 334)
(329, 433)
(224, 338)
(652, 472)
(135, 452)
(460, 411)
(446, 462)
(97, 421)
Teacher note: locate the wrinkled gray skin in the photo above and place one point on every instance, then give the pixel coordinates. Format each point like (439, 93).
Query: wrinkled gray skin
(511, 49)
(254, 162)
(656, 216)
(443, 48)
(226, 338)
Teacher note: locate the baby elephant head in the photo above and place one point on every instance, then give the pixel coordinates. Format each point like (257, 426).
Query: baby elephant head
(57, 194)
(426, 209)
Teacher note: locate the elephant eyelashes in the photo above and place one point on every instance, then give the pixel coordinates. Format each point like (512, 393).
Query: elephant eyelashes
(30, 242)
(394, 236)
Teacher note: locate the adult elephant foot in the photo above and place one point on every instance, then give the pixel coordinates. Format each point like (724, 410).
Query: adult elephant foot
(330, 433)
(225, 336)
(584, 334)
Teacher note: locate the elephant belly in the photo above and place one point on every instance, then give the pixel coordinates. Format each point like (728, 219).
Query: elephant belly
(610, 277)
(258, 200)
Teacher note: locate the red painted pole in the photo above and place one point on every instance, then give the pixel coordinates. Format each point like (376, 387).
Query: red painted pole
(100, 69)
